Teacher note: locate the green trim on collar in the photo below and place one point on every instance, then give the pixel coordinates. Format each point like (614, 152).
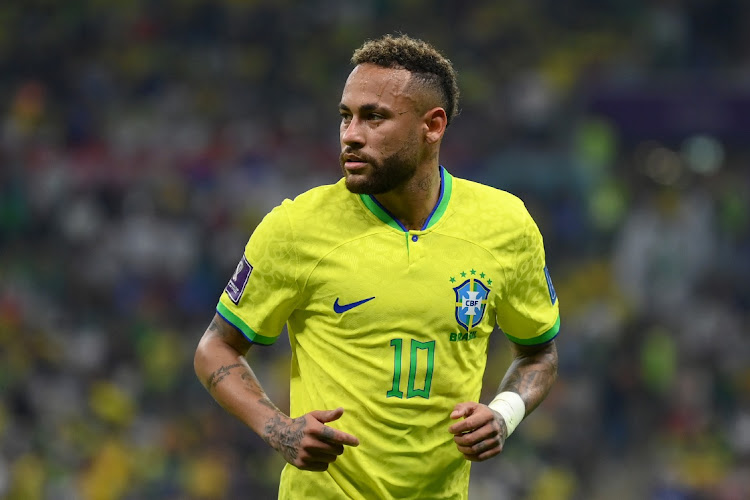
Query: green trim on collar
(379, 212)
(446, 189)
(442, 205)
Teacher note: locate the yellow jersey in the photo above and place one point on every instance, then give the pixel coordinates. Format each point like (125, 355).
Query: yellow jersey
(391, 324)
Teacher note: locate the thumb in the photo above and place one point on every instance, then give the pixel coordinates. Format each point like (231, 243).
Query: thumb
(327, 415)
(462, 410)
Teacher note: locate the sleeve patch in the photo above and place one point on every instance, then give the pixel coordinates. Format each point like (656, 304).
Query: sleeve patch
(550, 287)
(236, 286)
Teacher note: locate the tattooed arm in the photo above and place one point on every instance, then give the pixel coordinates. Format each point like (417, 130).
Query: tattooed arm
(532, 373)
(305, 442)
(483, 432)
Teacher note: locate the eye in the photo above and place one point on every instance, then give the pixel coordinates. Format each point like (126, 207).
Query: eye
(345, 116)
(375, 116)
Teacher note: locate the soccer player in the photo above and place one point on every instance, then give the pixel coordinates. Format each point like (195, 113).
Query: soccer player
(390, 282)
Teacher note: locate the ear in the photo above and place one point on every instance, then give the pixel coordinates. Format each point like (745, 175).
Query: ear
(435, 121)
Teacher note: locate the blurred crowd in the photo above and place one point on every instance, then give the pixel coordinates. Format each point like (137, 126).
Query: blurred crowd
(142, 141)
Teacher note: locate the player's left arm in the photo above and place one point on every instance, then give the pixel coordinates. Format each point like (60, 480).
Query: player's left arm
(483, 431)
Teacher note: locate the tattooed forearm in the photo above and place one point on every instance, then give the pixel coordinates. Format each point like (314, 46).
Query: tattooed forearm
(531, 375)
(512, 379)
(524, 378)
(219, 375)
(251, 383)
(268, 404)
(285, 437)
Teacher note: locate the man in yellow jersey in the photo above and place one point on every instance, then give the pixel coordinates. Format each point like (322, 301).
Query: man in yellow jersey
(390, 282)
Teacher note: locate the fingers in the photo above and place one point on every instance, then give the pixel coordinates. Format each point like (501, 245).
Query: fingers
(330, 434)
(479, 435)
(463, 409)
(316, 467)
(316, 455)
(481, 444)
(326, 416)
(320, 445)
(476, 416)
(318, 448)
(326, 456)
(470, 423)
(487, 431)
(483, 456)
(335, 436)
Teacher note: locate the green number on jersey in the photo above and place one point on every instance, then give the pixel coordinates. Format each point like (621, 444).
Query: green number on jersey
(395, 392)
(411, 390)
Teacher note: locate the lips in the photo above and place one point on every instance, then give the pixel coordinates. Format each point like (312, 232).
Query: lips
(354, 165)
(353, 162)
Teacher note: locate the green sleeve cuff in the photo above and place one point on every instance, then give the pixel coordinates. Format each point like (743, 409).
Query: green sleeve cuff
(539, 339)
(236, 322)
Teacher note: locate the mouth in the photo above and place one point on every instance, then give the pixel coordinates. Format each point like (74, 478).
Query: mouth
(353, 166)
(353, 163)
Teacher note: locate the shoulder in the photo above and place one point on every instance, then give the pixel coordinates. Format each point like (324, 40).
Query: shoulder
(481, 202)
(320, 195)
(320, 218)
(488, 193)
(319, 203)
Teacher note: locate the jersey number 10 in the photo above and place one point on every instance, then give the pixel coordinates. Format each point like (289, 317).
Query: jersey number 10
(411, 390)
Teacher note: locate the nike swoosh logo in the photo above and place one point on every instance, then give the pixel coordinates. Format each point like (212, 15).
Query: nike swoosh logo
(339, 308)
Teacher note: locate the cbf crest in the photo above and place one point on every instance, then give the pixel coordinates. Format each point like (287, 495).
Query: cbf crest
(471, 299)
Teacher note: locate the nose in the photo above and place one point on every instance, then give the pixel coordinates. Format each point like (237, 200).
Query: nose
(351, 133)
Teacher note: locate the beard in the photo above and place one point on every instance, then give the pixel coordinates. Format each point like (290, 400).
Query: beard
(384, 175)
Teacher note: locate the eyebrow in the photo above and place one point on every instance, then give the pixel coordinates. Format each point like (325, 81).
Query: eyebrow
(364, 107)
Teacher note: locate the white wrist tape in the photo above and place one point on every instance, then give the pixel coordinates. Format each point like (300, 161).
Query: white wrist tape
(511, 407)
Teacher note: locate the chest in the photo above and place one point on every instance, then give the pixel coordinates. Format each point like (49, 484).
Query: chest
(425, 283)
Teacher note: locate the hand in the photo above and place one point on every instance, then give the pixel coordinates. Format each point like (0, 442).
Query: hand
(305, 441)
(481, 435)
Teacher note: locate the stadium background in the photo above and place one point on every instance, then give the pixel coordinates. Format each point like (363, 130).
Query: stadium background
(141, 141)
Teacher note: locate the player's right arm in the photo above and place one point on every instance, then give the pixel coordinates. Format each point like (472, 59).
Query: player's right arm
(305, 442)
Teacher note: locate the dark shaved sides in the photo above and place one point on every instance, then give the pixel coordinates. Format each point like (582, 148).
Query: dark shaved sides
(429, 67)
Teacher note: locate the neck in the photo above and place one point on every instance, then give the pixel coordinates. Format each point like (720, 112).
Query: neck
(413, 203)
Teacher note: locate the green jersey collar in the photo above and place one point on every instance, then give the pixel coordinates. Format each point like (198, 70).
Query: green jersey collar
(446, 187)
